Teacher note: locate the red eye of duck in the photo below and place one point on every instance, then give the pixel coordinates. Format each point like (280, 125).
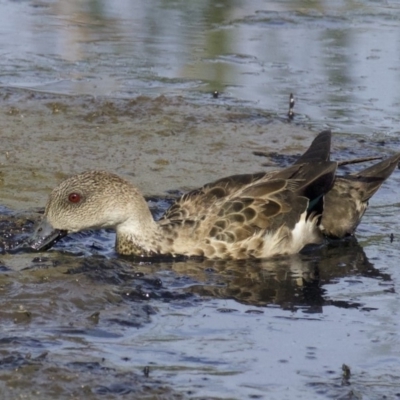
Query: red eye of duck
(74, 197)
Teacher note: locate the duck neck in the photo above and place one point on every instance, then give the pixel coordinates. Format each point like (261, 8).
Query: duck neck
(139, 236)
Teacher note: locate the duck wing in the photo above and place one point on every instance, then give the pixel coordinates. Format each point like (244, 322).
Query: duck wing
(319, 150)
(198, 201)
(239, 210)
(308, 180)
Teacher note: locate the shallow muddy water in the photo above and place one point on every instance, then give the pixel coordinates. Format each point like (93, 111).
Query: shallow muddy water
(126, 86)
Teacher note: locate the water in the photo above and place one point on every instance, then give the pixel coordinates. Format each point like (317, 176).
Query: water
(339, 58)
(126, 86)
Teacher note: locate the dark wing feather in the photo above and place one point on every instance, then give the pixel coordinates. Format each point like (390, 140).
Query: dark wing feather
(319, 149)
(315, 179)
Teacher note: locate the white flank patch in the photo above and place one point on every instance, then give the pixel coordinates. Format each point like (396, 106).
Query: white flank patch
(305, 232)
(284, 242)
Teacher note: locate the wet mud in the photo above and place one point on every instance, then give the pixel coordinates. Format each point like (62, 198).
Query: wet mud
(161, 143)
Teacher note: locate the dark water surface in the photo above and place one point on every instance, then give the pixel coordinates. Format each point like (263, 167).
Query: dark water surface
(126, 86)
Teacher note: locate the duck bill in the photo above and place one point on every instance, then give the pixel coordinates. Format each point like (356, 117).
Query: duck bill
(45, 236)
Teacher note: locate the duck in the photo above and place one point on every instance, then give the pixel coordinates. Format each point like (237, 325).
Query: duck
(259, 215)
(345, 204)
(242, 216)
(348, 199)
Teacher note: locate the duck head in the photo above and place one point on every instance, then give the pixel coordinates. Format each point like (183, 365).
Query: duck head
(90, 200)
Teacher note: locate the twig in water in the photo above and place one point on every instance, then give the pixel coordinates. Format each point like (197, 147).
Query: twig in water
(358, 160)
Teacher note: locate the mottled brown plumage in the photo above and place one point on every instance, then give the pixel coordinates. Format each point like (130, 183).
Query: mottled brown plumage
(242, 216)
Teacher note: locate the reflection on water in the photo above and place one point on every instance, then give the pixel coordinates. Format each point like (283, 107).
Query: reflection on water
(340, 59)
(293, 283)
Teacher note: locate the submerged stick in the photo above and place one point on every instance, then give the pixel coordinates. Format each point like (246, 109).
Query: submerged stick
(340, 163)
(358, 160)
